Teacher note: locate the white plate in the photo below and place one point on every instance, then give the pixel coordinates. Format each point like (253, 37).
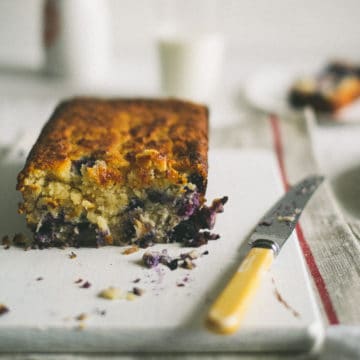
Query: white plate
(267, 90)
(167, 317)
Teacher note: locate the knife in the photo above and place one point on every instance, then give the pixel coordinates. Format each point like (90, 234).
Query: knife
(270, 234)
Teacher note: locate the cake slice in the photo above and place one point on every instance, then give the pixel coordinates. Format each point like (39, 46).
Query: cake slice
(119, 171)
(333, 88)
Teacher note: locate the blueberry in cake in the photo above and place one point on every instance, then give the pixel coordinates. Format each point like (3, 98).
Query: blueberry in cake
(120, 171)
(337, 85)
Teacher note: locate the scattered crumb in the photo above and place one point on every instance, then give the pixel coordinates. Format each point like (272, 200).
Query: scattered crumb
(130, 296)
(131, 250)
(6, 241)
(180, 285)
(190, 255)
(21, 152)
(288, 218)
(188, 264)
(81, 326)
(187, 259)
(85, 285)
(136, 280)
(72, 255)
(3, 309)
(138, 292)
(39, 278)
(78, 281)
(81, 317)
(21, 240)
(111, 293)
(151, 259)
(173, 264)
(100, 312)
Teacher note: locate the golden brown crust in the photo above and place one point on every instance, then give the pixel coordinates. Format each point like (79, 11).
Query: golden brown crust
(167, 135)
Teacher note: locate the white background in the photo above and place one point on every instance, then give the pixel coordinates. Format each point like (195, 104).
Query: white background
(260, 31)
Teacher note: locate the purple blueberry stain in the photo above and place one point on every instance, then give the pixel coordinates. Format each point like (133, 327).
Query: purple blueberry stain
(190, 231)
(188, 205)
(207, 215)
(154, 258)
(151, 259)
(86, 285)
(56, 231)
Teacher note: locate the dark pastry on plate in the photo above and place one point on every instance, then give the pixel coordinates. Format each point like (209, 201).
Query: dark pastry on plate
(333, 88)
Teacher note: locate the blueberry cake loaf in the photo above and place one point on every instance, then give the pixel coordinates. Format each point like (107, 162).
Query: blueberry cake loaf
(334, 87)
(120, 171)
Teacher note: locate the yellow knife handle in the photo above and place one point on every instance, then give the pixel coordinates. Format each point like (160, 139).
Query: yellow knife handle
(228, 310)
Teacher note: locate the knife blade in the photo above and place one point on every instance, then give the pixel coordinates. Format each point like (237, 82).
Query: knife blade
(270, 234)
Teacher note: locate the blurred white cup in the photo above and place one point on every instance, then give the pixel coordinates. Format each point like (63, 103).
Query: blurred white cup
(190, 67)
(77, 40)
(190, 48)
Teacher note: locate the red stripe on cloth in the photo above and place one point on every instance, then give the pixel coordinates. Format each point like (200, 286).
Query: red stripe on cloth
(309, 257)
